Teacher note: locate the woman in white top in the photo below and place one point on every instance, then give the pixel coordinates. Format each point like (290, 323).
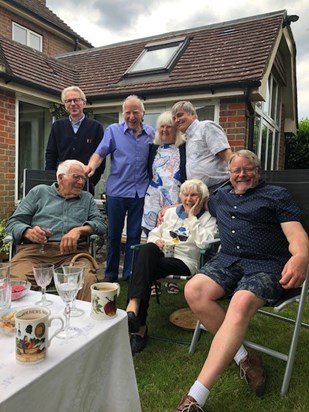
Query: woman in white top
(188, 226)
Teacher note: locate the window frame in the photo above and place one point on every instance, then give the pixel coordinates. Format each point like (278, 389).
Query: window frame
(268, 121)
(180, 42)
(28, 36)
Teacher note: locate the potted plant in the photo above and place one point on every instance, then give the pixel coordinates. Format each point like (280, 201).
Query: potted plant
(4, 246)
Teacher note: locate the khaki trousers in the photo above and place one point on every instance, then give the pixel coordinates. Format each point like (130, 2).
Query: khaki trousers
(29, 255)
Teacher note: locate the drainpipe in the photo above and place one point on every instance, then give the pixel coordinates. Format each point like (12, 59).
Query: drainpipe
(251, 116)
(76, 44)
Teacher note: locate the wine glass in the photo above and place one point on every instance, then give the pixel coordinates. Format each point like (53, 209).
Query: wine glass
(67, 285)
(43, 274)
(48, 233)
(75, 311)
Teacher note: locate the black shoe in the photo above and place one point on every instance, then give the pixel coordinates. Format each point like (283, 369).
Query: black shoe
(138, 342)
(134, 323)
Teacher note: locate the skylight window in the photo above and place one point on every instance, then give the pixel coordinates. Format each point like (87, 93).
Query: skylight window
(158, 57)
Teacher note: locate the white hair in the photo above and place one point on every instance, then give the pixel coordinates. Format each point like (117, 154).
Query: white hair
(167, 119)
(195, 184)
(64, 167)
(72, 89)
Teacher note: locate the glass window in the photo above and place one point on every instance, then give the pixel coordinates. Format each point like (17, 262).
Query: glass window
(154, 59)
(106, 119)
(27, 37)
(206, 112)
(151, 118)
(34, 128)
(267, 126)
(158, 57)
(19, 34)
(35, 41)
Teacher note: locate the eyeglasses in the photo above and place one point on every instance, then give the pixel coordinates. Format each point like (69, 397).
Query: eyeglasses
(75, 101)
(77, 177)
(174, 235)
(243, 169)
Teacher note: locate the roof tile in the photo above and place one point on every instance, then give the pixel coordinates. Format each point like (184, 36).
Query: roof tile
(228, 53)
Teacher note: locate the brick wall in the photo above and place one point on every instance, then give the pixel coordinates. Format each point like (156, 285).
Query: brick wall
(7, 153)
(233, 120)
(52, 44)
(6, 23)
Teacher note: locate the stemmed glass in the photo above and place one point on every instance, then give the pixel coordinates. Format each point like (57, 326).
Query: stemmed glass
(43, 274)
(5, 288)
(75, 311)
(67, 285)
(48, 233)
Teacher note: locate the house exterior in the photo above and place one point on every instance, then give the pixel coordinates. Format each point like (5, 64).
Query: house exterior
(240, 73)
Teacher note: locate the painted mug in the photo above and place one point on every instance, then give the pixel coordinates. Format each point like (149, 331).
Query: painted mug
(32, 340)
(104, 300)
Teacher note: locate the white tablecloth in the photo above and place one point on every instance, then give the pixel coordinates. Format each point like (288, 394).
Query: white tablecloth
(93, 372)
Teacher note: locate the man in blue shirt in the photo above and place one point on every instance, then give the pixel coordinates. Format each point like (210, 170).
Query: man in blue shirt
(60, 217)
(128, 143)
(264, 250)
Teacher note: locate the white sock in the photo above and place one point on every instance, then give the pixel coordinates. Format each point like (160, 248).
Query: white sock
(240, 354)
(199, 393)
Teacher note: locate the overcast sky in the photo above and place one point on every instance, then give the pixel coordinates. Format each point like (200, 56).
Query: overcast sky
(103, 22)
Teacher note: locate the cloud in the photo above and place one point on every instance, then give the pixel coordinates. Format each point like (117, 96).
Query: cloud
(121, 15)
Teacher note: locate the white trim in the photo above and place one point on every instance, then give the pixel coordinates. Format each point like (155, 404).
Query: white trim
(16, 150)
(28, 34)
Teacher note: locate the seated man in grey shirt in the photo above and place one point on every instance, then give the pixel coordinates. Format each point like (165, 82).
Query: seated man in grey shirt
(61, 217)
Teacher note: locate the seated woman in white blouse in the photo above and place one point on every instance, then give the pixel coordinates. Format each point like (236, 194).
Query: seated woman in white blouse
(188, 226)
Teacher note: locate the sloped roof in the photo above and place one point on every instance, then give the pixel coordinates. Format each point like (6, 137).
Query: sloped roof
(231, 54)
(42, 13)
(32, 68)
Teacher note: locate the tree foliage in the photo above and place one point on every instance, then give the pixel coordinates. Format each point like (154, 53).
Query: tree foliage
(297, 153)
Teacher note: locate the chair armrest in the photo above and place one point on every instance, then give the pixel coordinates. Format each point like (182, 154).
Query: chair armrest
(93, 240)
(8, 239)
(136, 247)
(207, 250)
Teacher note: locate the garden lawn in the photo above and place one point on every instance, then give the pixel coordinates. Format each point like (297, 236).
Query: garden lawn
(165, 370)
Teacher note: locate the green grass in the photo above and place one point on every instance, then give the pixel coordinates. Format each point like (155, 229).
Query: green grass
(165, 370)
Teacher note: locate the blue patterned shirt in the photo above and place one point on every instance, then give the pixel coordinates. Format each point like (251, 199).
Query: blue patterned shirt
(249, 226)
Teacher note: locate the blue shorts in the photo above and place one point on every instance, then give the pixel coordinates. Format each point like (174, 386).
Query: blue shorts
(265, 286)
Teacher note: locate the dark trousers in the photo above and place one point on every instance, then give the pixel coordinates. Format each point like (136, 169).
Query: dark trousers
(151, 265)
(117, 208)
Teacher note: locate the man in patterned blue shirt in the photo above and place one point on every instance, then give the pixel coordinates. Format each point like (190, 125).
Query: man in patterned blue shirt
(264, 250)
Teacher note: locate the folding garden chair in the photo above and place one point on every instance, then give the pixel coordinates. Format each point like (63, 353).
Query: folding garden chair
(297, 182)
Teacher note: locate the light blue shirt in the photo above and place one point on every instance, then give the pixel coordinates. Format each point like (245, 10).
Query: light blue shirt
(76, 125)
(45, 207)
(129, 159)
(204, 141)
